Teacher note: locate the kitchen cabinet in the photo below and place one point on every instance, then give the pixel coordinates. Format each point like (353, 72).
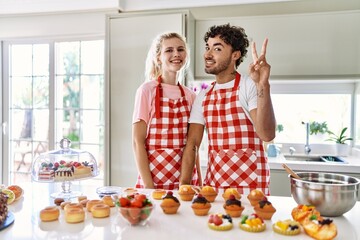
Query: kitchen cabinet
(280, 182)
(311, 44)
(128, 39)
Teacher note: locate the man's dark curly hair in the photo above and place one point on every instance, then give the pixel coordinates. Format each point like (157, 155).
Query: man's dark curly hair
(232, 35)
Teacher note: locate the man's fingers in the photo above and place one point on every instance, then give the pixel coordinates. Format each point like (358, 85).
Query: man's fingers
(254, 52)
(264, 46)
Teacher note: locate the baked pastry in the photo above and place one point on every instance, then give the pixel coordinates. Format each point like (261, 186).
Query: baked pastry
(265, 209)
(107, 199)
(74, 215)
(313, 223)
(130, 191)
(84, 202)
(233, 207)
(73, 205)
(301, 212)
(80, 198)
(287, 227)
(49, 214)
(100, 210)
(220, 222)
(3, 207)
(10, 195)
(186, 192)
(157, 194)
(170, 204)
(209, 193)
(231, 191)
(255, 196)
(63, 204)
(58, 201)
(319, 228)
(17, 190)
(91, 203)
(200, 205)
(252, 223)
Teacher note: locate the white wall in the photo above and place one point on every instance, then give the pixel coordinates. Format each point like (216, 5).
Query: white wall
(53, 25)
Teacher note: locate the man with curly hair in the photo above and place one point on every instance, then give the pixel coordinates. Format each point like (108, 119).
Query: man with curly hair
(237, 112)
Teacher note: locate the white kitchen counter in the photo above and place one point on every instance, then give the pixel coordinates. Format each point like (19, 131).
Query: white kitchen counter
(352, 165)
(183, 225)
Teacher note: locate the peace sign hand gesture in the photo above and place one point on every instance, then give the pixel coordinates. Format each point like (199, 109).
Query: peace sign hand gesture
(259, 69)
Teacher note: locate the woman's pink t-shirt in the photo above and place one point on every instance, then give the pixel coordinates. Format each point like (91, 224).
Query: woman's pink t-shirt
(144, 107)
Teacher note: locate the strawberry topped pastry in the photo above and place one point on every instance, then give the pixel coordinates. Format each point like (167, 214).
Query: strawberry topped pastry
(170, 204)
(233, 207)
(265, 209)
(135, 208)
(287, 227)
(231, 191)
(200, 205)
(220, 222)
(313, 223)
(252, 223)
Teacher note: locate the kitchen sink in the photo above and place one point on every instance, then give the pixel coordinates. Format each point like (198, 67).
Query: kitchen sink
(314, 158)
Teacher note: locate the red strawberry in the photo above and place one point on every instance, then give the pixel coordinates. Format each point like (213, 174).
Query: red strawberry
(56, 165)
(211, 218)
(134, 213)
(124, 202)
(62, 162)
(217, 220)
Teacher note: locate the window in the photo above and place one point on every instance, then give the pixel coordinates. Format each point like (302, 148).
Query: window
(324, 102)
(54, 90)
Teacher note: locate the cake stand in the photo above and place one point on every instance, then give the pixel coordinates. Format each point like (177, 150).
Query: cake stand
(64, 165)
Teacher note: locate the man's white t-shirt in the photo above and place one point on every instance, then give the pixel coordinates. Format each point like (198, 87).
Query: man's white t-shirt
(247, 98)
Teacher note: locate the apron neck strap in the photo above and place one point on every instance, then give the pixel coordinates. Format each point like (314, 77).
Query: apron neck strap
(236, 83)
(159, 94)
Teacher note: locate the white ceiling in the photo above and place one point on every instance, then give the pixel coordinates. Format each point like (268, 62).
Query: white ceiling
(200, 8)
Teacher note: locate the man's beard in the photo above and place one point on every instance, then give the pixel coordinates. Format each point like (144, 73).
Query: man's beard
(221, 67)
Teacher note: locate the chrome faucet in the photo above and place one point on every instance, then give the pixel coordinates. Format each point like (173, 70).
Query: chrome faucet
(307, 144)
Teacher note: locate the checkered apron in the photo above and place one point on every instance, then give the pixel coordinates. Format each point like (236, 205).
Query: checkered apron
(166, 140)
(236, 154)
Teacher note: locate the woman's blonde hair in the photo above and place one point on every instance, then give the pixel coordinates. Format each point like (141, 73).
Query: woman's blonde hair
(152, 68)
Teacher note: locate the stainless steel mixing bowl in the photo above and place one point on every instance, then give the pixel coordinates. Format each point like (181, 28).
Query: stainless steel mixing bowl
(332, 194)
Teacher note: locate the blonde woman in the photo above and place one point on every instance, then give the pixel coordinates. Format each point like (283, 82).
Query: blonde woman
(161, 113)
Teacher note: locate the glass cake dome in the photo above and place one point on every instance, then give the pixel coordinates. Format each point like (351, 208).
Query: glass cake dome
(64, 165)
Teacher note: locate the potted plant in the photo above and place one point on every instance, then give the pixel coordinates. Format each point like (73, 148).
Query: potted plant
(318, 128)
(341, 146)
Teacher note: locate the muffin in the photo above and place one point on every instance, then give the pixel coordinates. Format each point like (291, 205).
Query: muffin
(200, 205)
(170, 204)
(220, 222)
(255, 196)
(265, 209)
(233, 207)
(252, 223)
(157, 194)
(186, 192)
(287, 227)
(209, 193)
(231, 191)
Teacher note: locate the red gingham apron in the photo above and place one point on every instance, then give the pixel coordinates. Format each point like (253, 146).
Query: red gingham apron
(166, 140)
(236, 154)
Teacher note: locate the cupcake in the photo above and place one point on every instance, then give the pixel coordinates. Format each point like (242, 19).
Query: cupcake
(209, 193)
(233, 207)
(252, 223)
(170, 204)
(255, 196)
(157, 194)
(287, 227)
(220, 222)
(265, 209)
(200, 205)
(231, 191)
(186, 192)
